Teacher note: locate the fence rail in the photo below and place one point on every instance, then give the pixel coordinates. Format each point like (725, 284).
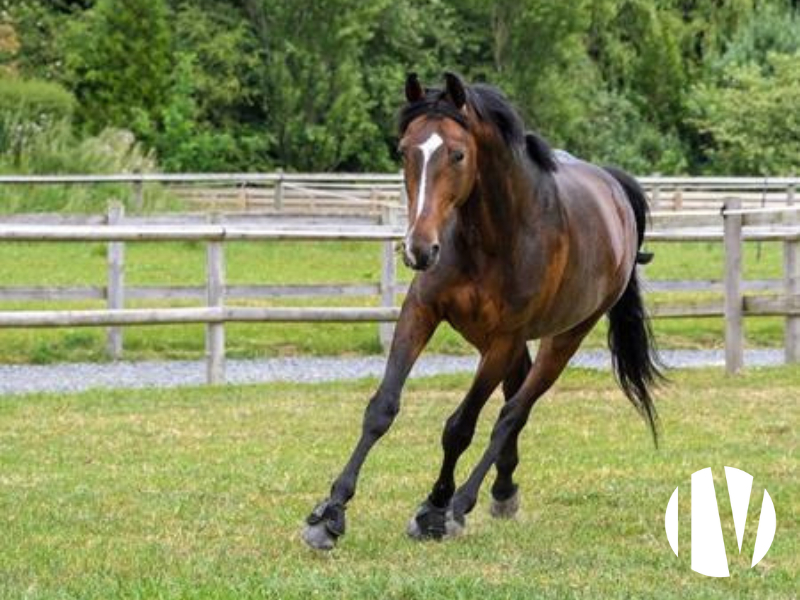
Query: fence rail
(368, 194)
(736, 224)
(685, 182)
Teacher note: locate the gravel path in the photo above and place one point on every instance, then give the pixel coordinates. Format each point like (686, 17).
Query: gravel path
(73, 377)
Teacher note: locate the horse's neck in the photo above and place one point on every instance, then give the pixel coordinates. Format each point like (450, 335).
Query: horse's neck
(499, 205)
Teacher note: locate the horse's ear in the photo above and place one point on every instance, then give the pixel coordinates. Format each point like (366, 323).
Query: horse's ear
(414, 91)
(455, 89)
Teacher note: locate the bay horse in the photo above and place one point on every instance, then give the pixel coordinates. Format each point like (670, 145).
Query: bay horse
(512, 241)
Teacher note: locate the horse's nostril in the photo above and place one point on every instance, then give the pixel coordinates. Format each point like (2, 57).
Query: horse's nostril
(434, 250)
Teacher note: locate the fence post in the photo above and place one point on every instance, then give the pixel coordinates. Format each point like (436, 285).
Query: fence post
(388, 278)
(215, 292)
(243, 197)
(655, 197)
(734, 332)
(791, 274)
(279, 191)
(115, 284)
(138, 194)
(677, 200)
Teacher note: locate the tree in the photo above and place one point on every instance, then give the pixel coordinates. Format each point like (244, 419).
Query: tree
(315, 98)
(315, 84)
(540, 59)
(750, 121)
(120, 62)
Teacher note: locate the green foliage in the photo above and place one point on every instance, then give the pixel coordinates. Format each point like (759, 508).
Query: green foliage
(9, 46)
(776, 30)
(659, 79)
(50, 146)
(316, 100)
(28, 110)
(224, 58)
(214, 115)
(616, 132)
(53, 149)
(750, 119)
(310, 85)
(120, 62)
(39, 27)
(424, 37)
(36, 100)
(184, 142)
(535, 44)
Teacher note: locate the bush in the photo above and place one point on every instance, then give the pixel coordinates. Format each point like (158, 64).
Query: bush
(111, 151)
(36, 99)
(185, 142)
(55, 149)
(27, 109)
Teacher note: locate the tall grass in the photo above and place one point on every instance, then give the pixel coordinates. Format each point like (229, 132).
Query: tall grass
(48, 146)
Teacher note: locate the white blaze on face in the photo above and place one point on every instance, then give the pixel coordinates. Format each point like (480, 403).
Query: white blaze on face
(429, 147)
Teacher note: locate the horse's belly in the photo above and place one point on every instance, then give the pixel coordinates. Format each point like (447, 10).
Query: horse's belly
(577, 300)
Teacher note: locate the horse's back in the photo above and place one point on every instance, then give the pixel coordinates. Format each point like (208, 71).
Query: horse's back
(601, 228)
(596, 205)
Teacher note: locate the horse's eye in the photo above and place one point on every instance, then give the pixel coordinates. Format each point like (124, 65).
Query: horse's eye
(457, 156)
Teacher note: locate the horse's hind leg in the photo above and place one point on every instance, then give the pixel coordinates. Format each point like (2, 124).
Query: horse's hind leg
(553, 356)
(432, 520)
(505, 493)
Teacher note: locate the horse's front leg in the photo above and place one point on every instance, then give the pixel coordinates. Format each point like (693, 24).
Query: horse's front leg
(415, 326)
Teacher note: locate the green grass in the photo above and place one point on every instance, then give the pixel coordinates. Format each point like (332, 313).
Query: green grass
(287, 263)
(81, 199)
(200, 493)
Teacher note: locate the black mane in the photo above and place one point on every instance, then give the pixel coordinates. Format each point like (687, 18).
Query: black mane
(491, 106)
(540, 151)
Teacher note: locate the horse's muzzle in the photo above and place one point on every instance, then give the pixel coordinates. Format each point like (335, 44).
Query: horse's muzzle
(420, 256)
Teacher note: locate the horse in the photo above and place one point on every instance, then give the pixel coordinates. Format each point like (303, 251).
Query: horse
(511, 242)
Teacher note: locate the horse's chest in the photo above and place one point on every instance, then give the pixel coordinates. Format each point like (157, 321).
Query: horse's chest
(475, 312)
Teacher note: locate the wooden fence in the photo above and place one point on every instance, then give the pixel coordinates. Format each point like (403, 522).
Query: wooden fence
(733, 227)
(328, 207)
(366, 195)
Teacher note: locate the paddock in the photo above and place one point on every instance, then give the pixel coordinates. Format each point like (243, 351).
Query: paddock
(199, 492)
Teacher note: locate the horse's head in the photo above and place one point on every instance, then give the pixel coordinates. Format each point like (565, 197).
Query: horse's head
(439, 164)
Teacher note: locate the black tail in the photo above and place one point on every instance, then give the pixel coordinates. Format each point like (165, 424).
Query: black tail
(636, 362)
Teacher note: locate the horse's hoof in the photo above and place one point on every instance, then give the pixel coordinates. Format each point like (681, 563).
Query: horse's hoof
(413, 530)
(433, 523)
(428, 523)
(454, 525)
(324, 526)
(505, 509)
(318, 537)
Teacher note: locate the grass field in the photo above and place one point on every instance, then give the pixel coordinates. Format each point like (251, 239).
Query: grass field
(284, 263)
(200, 493)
